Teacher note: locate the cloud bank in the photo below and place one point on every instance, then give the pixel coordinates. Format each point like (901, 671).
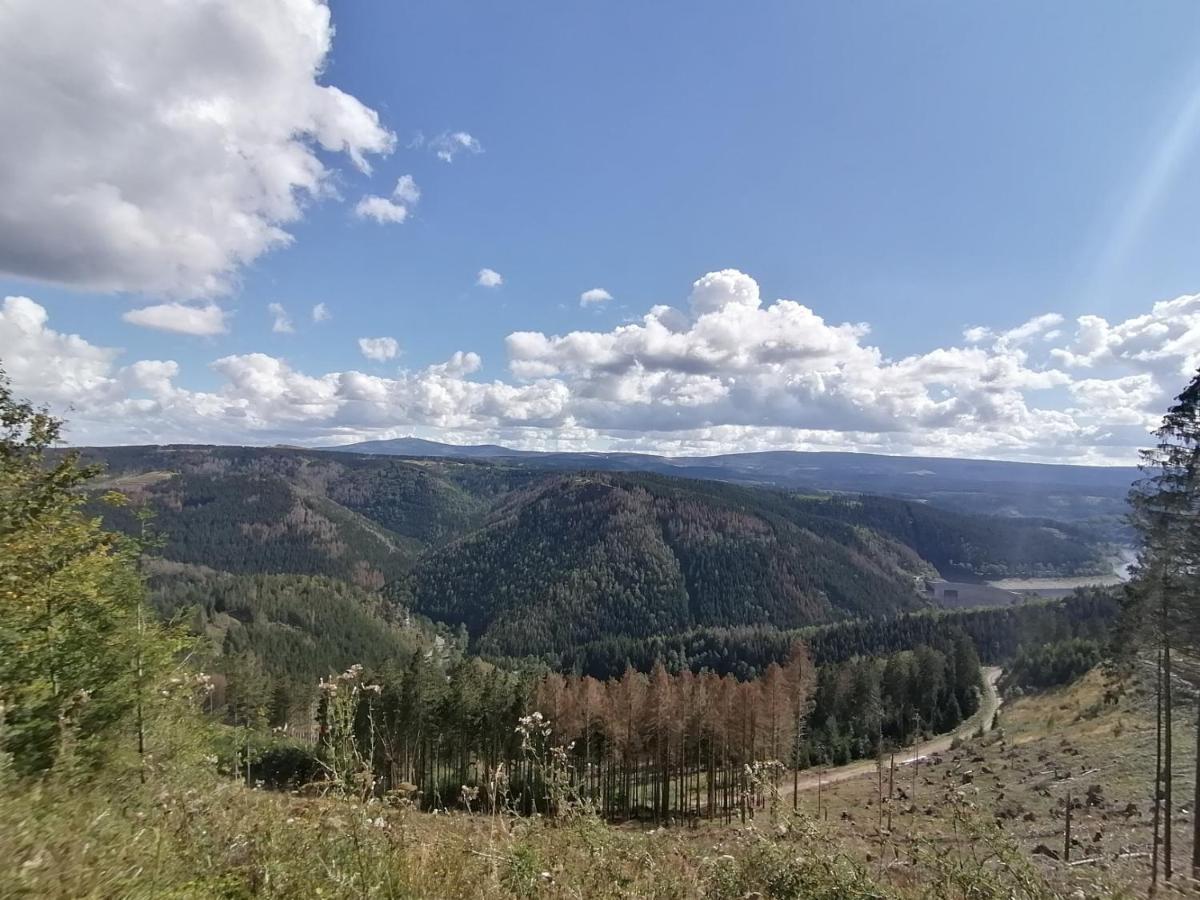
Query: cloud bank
(721, 371)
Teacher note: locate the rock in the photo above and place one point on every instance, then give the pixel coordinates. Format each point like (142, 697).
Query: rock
(1043, 850)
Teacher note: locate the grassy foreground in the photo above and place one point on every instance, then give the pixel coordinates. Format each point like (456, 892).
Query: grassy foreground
(222, 840)
(971, 831)
(190, 833)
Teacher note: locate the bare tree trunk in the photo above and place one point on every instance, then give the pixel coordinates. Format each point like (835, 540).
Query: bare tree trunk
(1158, 759)
(1196, 804)
(1168, 774)
(1067, 832)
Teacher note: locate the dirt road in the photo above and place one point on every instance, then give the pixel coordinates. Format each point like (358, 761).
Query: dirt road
(984, 717)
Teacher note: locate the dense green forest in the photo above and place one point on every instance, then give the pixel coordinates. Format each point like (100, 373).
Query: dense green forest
(1053, 664)
(581, 557)
(997, 632)
(540, 563)
(974, 546)
(294, 565)
(274, 637)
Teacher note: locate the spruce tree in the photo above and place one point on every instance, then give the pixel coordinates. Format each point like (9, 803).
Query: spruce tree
(1166, 585)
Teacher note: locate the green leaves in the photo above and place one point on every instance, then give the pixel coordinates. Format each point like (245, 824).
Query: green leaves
(74, 649)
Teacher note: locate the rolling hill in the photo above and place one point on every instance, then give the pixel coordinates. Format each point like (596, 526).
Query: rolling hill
(533, 561)
(1093, 494)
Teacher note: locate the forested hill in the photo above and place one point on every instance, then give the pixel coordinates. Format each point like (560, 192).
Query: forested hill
(578, 557)
(531, 561)
(280, 511)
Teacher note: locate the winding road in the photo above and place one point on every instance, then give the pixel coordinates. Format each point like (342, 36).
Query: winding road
(984, 717)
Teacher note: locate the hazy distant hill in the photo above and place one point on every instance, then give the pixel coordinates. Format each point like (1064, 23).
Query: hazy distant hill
(1073, 493)
(412, 446)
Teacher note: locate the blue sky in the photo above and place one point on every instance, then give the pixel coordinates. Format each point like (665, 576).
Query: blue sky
(921, 167)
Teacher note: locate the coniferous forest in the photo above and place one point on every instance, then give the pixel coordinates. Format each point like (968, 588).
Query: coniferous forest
(653, 745)
(457, 590)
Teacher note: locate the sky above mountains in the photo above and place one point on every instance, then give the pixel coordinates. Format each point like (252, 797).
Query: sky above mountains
(928, 228)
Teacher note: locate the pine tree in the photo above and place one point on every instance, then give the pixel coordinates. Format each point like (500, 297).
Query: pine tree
(1166, 585)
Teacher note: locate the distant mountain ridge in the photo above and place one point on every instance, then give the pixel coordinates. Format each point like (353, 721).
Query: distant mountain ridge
(414, 446)
(994, 487)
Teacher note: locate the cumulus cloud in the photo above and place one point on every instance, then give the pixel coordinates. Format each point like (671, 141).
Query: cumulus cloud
(159, 147)
(183, 318)
(379, 349)
(259, 397)
(1166, 340)
(722, 370)
(281, 322)
(390, 210)
(489, 278)
(58, 366)
(321, 313)
(594, 296)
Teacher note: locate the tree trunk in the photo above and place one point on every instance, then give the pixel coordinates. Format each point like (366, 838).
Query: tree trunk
(1168, 774)
(1158, 755)
(1196, 804)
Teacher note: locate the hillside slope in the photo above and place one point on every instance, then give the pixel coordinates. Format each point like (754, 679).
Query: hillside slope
(579, 557)
(279, 511)
(533, 561)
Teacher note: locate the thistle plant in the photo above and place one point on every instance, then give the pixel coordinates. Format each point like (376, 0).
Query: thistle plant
(348, 761)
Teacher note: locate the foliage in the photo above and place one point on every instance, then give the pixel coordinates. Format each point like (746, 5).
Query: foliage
(276, 636)
(77, 652)
(535, 562)
(1053, 664)
(997, 632)
(1163, 597)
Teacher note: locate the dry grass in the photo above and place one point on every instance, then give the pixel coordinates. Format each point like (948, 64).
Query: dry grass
(1045, 746)
(968, 829)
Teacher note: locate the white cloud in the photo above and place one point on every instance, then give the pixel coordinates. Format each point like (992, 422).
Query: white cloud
(489, 278)
(203, 320)
(381, 209)
(58, 367)
(281, 322)
(1165, 341)
(379, 349)
(594, 296)
(158, 147)
(393, 210)
(449, 144)
(724, 370)
(321, 313)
